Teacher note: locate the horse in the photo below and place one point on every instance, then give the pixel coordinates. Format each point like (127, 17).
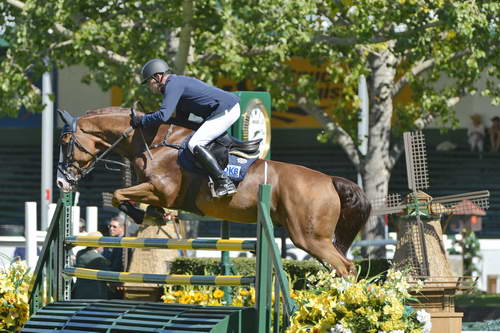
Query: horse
(321, 213)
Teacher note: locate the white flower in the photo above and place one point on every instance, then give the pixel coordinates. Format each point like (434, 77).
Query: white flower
(425, 318)
(340, 329)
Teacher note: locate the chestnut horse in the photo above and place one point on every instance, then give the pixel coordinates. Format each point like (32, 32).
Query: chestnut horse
(321, 213)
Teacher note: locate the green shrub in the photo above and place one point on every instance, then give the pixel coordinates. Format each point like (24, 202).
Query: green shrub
(296, 270)
(478, 299)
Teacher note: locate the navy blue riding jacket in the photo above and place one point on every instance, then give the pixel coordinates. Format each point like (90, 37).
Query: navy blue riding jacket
(185, 95)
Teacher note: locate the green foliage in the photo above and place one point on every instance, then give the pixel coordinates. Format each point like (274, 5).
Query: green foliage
(438, 48)
(471, 253)
(469, 246)
(296, 270)
(478, 299)
(458, 37)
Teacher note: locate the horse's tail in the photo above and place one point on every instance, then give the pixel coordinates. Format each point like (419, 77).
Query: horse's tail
(354, 213)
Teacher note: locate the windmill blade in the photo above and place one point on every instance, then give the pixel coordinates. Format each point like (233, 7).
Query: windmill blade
(462, 196)
(387, 210)
(389, 204)
(416, 160)
(471, 203)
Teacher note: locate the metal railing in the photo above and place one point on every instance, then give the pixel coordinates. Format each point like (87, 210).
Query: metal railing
(52, 282)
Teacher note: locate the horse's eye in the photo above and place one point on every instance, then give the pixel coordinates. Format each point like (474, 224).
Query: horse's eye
(65, 138)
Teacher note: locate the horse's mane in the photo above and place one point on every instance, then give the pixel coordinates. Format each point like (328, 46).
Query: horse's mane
(107, 110)
(119, 111)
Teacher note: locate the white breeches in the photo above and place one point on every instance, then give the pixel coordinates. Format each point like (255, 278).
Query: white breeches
(214, 126)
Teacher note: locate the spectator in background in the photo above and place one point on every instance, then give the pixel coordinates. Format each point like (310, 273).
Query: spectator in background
(91, 257)
(116, 228)
(476, 132)
(82, 225)
(494, 132)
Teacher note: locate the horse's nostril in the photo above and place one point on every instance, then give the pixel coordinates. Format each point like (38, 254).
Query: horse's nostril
(60, 184)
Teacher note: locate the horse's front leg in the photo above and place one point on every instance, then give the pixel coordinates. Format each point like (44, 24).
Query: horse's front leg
(144, 193)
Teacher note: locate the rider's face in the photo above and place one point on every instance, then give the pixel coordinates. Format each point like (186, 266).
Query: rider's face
(154, 84)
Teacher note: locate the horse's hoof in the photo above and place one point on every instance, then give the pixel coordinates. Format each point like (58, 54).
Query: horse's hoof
(135, 214)
(155, 216)
(155, 211)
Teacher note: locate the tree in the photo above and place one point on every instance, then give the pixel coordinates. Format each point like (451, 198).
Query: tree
(114, 38)
(438, 48)
(395, 44)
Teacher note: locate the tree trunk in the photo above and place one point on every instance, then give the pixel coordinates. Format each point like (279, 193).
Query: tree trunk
(375, 167)
(181, 58)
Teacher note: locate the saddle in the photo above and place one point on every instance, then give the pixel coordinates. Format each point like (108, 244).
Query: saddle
(225, 148)
(226, 145)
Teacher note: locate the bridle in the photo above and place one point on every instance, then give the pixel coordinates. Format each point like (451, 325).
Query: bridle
(68, 160)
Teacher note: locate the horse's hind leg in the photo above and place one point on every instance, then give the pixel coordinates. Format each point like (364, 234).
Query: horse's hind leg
(324, 250)
(312, 230)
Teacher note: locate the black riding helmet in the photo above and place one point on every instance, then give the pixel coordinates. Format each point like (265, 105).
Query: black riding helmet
(153, 67)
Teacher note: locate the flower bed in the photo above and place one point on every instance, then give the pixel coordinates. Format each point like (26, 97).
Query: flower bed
(345, 305)
(14, 284)
(332, 304)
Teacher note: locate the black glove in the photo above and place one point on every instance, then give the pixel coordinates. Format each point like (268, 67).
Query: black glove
(136, 121)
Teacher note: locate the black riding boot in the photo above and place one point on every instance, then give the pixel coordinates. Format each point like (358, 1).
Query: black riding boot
(223, 185)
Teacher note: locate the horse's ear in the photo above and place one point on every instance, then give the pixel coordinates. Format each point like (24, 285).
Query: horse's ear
(65, 117)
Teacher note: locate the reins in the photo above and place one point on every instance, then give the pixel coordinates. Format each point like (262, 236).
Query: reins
(96, 158)
(164, 142)
(110, 148)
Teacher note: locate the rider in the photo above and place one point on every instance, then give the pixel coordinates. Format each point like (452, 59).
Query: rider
(186, 95)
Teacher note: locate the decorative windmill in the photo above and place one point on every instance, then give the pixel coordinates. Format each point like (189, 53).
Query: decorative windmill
(420, 245)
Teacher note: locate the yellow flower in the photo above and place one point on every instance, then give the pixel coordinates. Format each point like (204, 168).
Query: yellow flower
(237, 301)
(218, 293)
(392, 325)
(186, 299)
(395, 310)
(361, 311)
(10, 298)
(178, 293)
(244, 292)
(349, 314)
(372, 316)
(355, 295)
(198, 297)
